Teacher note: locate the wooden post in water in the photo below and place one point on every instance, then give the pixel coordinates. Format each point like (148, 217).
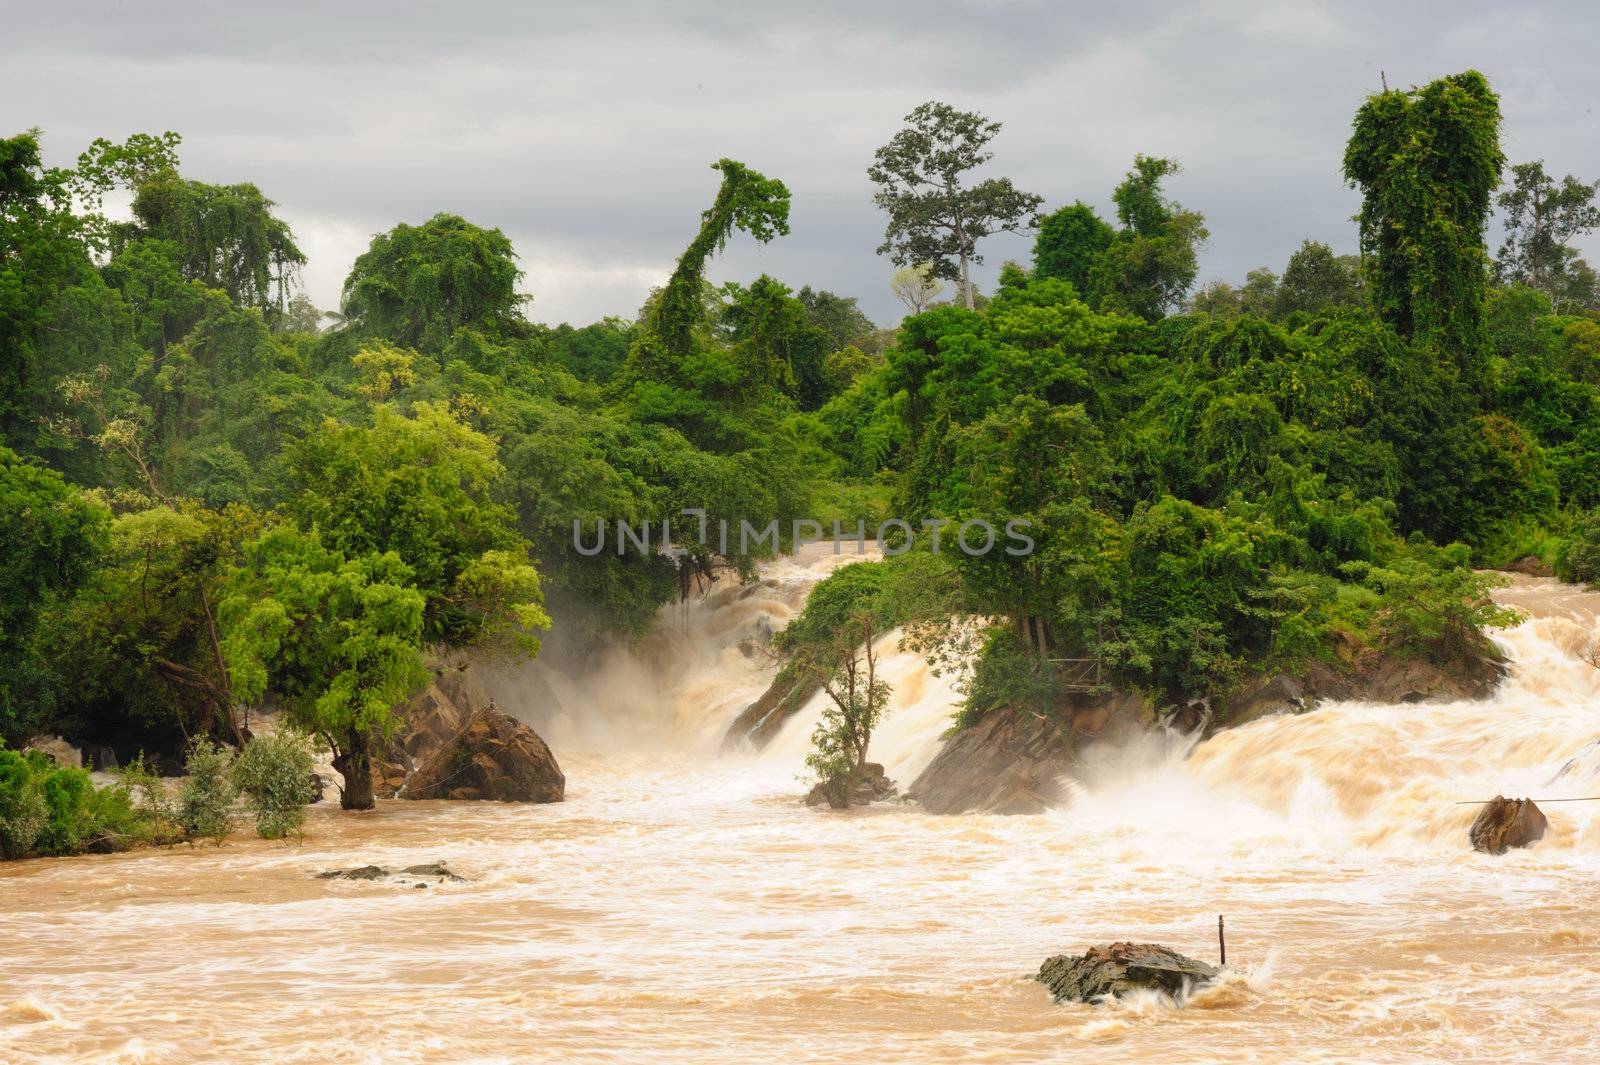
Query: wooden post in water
(1222, 943)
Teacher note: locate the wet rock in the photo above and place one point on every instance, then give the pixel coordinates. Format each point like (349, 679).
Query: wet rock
(873, 785)
(99, 757)
(492, 756)
(1505, 823)
(360, 872)
(1116, 969)
(1015, 762)
(59, 751)
(1275, 694)
(760, 721)
(429, 720)
(1188, 718)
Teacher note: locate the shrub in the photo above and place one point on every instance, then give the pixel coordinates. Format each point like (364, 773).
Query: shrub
(49, 810)
(155, 811)
(274, 772)
(22, 809)
(205, 803)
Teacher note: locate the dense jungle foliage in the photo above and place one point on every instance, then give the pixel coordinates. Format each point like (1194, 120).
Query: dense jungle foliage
(216, 496)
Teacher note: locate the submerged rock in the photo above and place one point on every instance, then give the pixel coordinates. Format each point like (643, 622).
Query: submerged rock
(873, 785)
(1116, 969)
(434, 870)
(360, 872)
(493, 756)
(1505, 823)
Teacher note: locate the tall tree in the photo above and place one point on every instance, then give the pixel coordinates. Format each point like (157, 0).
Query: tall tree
(226, 235)
(934, 217)
(1426, 161)
(1152, 260)
(1541, 219)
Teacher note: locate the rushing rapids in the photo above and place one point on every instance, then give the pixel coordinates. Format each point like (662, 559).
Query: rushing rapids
(681, 906)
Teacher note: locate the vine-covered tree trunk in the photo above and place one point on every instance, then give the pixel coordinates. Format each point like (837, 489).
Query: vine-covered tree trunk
(354, 763)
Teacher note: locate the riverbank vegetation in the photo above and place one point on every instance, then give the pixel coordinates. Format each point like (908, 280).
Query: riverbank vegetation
(220, 498)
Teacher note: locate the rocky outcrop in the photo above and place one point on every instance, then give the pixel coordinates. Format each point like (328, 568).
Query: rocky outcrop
(1505, 823)
(1014, 762)
(760, 721)
(873, 785)
(1115, 970)
(454, 743)
(493, 756)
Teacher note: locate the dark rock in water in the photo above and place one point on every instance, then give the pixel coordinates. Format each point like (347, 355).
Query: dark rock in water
(1119, 968)
(1505, 823)
(434, 869)
(492, 756)
(1014, 762)
(1189, 718)
(873, 785)
(360, 872)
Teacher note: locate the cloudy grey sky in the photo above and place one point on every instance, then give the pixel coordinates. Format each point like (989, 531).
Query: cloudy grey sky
(584, 130)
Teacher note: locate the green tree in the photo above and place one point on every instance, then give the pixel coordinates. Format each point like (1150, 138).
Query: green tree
(337, 640)
(857, 700)
(1541, 220)
(1152, 260)
(275, 773)
(226, 235)
(1070, 243)
(1316, 279)
(1426, 161)
(424, 488)
(934, 217)
(418, 285)
(53, 534)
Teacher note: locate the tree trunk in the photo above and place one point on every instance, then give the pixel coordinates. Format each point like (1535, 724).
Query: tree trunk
(354, 763)
(966, 279)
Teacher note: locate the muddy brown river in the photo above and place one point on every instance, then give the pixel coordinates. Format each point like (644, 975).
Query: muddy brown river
(684, 907)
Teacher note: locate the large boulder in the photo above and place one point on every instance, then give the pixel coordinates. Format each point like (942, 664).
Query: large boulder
(1505, 823)
(492, 756)
(1116, 969)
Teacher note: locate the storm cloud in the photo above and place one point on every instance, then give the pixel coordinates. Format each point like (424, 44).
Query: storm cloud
(585, 131)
